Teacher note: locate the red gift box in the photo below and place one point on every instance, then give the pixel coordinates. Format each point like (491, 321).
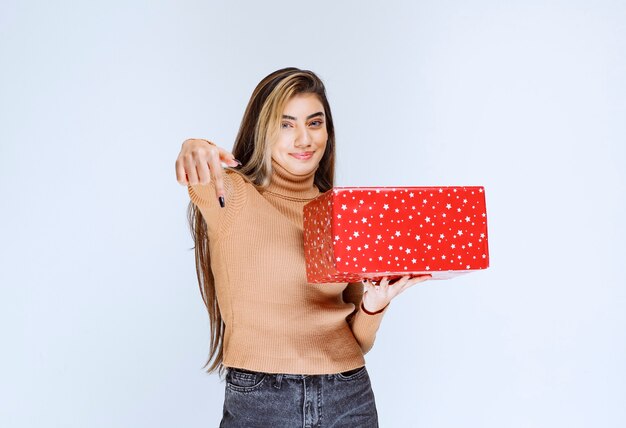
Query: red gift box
(352, 233)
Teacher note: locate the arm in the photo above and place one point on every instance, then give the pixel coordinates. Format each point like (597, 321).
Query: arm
(364, 326)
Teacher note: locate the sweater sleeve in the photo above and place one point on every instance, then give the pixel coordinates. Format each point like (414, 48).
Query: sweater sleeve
(218, 219)
(363, 325)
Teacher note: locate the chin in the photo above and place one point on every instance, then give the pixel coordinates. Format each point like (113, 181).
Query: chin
(300, 169)
(297, 167)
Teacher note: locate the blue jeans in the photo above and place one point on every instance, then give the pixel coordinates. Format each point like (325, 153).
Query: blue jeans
(255, 399)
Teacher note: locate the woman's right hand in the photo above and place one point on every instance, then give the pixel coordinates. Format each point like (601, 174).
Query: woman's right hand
(200, 160)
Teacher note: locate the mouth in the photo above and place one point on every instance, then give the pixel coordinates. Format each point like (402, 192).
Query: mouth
(302, 156)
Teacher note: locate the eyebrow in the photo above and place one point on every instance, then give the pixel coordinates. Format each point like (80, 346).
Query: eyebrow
(319, 113)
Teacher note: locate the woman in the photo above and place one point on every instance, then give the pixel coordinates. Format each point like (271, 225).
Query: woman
(292, 351)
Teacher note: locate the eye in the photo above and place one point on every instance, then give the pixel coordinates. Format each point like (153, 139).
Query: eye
(285, 125)
(318, 122)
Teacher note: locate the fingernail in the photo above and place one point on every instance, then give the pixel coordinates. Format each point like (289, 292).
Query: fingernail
(238, 161)
(221, 198)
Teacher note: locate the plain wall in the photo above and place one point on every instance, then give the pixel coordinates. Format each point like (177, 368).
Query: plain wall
(101, 319)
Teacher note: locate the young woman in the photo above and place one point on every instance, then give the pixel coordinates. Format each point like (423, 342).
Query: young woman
(292, 352)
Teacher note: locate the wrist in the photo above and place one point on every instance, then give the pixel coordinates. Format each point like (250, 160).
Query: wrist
(372, 312)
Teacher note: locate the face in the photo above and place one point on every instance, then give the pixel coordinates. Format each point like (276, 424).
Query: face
(302, 138)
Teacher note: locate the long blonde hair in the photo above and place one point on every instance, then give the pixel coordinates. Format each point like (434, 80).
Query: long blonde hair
(259, 127)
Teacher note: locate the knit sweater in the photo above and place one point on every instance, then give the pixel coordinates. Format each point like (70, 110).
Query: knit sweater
(276, 322)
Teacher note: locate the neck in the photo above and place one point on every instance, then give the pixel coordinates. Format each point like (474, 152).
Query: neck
(289, 185)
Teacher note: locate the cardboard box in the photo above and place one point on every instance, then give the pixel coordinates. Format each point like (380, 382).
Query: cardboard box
(352, 233)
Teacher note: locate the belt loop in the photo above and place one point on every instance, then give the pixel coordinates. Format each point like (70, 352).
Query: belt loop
(277, 380)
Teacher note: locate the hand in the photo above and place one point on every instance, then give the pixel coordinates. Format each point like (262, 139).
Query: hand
(200, 159)
(377, 297)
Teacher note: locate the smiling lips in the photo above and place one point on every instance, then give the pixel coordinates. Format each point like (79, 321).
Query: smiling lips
(302, 156)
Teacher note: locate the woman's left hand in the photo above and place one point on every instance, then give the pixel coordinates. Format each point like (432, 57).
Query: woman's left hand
(376, 297)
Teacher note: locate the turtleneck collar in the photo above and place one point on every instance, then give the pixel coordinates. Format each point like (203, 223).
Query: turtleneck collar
(291, 186)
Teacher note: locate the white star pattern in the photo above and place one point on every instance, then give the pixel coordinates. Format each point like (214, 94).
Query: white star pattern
(450, 223)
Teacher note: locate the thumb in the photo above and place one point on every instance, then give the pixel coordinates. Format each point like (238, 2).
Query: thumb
(229, 159)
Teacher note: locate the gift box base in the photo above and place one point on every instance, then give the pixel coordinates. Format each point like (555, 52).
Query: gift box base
(438, 275)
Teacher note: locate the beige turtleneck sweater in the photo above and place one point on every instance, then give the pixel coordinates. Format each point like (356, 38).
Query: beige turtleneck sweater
(275, 321)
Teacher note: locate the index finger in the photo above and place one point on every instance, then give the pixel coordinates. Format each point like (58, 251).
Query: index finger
(218, 176)
(419, 278)
(181, 175)
(414, 280)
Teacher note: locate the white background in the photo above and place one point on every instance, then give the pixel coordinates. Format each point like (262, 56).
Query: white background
(101, 320)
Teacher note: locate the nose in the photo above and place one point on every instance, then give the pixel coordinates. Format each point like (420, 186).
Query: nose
(303, 139)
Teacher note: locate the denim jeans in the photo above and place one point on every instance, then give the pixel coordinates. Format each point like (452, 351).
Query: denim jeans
(255, 399)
